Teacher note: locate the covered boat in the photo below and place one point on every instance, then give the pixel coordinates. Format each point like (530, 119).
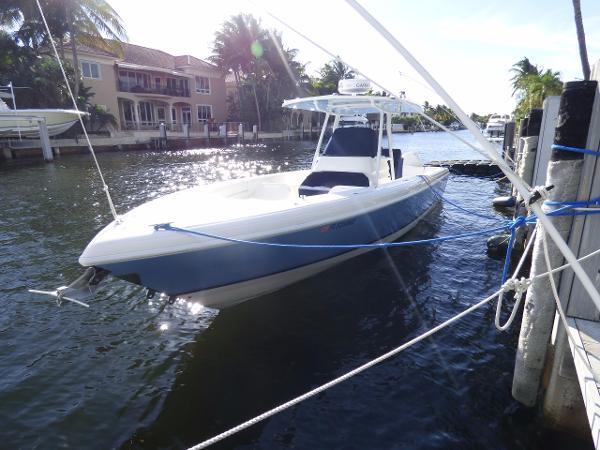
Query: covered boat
(227, 242)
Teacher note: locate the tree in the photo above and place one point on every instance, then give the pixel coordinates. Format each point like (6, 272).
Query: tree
(237, 48)
(89, 22)
(330, 75)
(522, 69)
(585, 64)
(264, 70)
(40, 76)
(532, 85)
(480, 119)
(440, 113)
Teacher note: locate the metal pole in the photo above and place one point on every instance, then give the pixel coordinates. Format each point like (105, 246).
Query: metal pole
(12, 93)
(320, 142)
(379, 143)
(390, 147)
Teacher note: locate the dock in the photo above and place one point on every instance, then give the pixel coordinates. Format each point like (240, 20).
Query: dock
(557, 367)
(476, 167)
(144, 140)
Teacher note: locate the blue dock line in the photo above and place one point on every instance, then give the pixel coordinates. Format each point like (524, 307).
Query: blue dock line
(566, 148)
(169, 227)
(441, 197)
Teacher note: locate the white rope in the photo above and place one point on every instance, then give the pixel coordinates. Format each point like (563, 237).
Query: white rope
(518, 286)
(87, 138)
(342, 378)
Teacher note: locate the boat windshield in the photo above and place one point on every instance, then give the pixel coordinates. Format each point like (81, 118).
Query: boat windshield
(352, 141)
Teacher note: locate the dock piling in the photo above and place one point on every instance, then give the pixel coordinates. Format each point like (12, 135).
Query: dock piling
(45, 140)
(563, 172)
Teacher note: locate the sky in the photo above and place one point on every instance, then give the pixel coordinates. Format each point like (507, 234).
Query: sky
(469, 46)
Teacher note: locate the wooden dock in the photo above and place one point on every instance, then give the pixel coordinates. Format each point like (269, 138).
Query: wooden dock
(476, 167)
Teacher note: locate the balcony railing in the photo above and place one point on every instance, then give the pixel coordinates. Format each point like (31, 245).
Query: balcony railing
(162, 90)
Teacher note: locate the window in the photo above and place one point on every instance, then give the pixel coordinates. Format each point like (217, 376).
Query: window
(157, 82)
(186, 115)
(143, 79)
(173, 115)
(204, 113)
(128, 112)
(202, 85)
(90, 70)
(146, 111)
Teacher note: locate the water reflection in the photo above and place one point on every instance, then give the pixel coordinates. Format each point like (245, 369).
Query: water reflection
(135, 372)
(261, 353)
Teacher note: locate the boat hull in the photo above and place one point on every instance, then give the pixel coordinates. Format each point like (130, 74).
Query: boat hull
(23, 122)
(228, 274)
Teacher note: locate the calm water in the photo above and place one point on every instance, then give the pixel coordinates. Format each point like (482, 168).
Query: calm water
(133, 373)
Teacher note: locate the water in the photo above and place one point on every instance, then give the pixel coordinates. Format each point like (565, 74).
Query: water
(133, 373)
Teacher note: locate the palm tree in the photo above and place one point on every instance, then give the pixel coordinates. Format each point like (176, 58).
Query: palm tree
(90, 22)
(522, 69)
(238, 47)
(541, 86)
(585, 64)
(331, 74)
(532, 88)
(93, 23)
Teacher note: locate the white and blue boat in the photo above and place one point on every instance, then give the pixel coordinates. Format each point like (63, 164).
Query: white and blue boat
(194, 244)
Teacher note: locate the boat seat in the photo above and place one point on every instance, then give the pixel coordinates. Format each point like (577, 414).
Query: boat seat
(321, 182)
(347, 160)
(398, 161)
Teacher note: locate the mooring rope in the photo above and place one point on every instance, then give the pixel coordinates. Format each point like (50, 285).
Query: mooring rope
(513, 284)
(87, 138)
(169, 227)
(566, 148)
(342, 378)
(457, 206)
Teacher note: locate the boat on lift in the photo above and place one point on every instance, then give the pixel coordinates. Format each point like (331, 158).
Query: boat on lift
(24, 123)
(228, 242)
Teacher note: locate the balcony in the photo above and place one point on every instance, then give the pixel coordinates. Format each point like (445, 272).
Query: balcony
(162, 90)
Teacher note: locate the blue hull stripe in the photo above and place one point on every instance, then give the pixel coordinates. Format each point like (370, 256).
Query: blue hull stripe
(199, 270)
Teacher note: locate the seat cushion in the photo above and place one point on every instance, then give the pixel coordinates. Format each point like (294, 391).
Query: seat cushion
(321, 182)
(352, 141)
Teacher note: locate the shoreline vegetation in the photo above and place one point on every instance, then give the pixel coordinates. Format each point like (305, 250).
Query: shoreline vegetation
(263, 69)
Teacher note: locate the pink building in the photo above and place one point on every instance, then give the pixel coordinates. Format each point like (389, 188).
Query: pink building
(147, 86)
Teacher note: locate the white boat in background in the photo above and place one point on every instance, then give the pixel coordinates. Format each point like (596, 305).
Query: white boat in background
(194, 244)
(24, 123)
(495, 125)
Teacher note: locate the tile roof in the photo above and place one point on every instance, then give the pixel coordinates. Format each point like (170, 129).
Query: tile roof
(144, 56)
